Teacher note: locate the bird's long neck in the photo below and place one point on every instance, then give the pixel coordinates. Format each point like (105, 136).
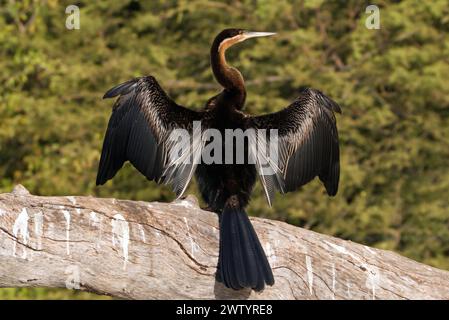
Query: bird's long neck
(230, 78)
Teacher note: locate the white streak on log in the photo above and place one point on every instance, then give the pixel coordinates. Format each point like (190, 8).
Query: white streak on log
(20, 228)
(373, 279)
(39, 228)
(120, 235)
(95, 222)
(370, 250)
(193, 245)
(73, 202)
(67, 230)
(73, 280)
(271, 254)
(184, 203)
(142, 234)
(309, 273)
(341, 249)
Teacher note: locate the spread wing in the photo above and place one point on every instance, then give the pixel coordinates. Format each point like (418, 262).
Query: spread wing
(307, 141)
(139, 130)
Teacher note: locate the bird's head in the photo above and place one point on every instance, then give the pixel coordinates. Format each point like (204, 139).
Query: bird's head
(229, 37)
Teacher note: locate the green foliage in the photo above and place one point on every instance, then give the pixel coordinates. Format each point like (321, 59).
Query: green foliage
(391, 84)
(48, 294)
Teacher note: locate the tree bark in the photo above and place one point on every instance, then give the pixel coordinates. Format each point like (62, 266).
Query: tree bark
(140, 250)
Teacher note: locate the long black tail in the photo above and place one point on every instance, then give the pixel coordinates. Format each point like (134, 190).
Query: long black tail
(242, 263)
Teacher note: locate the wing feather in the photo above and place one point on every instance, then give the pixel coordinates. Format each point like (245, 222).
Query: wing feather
(307, 144)
(142, 119)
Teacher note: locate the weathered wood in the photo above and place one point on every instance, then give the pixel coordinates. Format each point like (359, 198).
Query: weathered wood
(140, 250)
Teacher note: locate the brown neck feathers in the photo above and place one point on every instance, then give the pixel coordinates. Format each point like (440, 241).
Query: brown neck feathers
(230, 78)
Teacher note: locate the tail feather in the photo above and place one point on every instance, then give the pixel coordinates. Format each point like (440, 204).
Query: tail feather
(242, 261)
(264, 266)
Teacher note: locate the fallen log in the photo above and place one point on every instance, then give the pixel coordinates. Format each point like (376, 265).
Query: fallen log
(140, 250)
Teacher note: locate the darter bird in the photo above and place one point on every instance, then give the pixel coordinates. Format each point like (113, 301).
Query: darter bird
(144, 116)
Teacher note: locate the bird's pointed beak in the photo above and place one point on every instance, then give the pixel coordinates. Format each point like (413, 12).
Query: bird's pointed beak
(252, 34)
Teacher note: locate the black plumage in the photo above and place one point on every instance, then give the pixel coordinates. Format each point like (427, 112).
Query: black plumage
(141, 121)
(143, 118)
(308, 141)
